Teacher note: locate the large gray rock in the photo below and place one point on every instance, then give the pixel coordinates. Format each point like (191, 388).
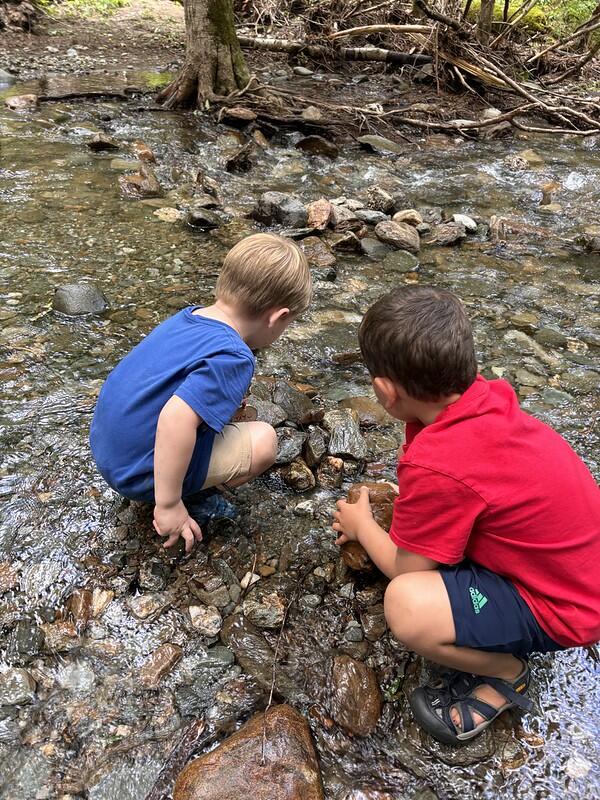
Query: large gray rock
(296, 406)
(280, 208)
(345, 437)
(289, 445)
(79, 298)
(16, 687)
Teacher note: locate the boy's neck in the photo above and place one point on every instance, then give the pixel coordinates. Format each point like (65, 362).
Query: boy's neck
(232, 316)
(427, 412)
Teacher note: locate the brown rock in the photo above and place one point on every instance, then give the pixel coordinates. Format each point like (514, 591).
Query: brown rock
(79, 606)
(399, 235)
(408, 215)
(449, 234)
(370, 412)
(330, 472)
(260, 139)
(142, 184)
(241, 160)
(356, 698)
(101, 141)
(318, 145)
(347, 242)
(318, 252)
(356, 558)
(159, 664)
(9, 576)
(373, 622)
(22, 102)
(319, 214)
(298, 476)
(312, 114)
(343, 220)
(287, 769)
(100, 600)
(237, 116)
(381, 496)
(143, 151)
(59, 637)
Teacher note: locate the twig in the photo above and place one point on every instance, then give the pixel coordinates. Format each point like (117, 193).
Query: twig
(563, 42)
(439, 17)
(576, 67)
(516, 17)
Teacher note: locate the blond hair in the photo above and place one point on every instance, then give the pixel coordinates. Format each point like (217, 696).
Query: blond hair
(265, 271)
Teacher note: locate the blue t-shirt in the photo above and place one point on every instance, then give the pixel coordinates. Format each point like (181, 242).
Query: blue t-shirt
(204, 362)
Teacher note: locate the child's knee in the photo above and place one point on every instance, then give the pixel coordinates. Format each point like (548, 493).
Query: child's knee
(405, 608)
(264, 446)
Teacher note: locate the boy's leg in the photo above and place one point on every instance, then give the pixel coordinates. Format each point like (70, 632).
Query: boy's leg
(240, 453)
(419, 614)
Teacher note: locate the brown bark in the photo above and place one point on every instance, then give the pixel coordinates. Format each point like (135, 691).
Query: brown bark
(486, 15)
(214, 65)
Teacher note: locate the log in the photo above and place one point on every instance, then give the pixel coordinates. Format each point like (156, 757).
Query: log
(345, 53)
(365, 30)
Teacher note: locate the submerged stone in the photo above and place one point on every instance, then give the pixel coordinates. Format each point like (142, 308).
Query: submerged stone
(318, 145)
(380, 144)
(299, 476)
(23, 102)
(370, 412)
(271, 757)
(356, 697)
(75, 299)
(289, 445)
(17, 687)
(159, 664)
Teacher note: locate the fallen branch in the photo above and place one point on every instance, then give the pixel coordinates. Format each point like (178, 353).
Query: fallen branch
(439, 17)
(345, 53)
(364, 30)
(576, 67)
(562, 42)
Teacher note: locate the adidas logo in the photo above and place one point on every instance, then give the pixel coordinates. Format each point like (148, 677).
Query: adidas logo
(478, 599)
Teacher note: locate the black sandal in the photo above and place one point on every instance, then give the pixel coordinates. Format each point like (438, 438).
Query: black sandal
(431, 705)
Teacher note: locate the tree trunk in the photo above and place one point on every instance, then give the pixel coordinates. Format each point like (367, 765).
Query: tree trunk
(214, 65)
(486, 16)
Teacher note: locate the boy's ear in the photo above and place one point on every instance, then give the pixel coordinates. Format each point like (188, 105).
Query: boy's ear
(277, 315)
(386, 391)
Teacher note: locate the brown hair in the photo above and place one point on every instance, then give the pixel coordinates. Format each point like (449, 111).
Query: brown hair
(420, 337)
(265, 271)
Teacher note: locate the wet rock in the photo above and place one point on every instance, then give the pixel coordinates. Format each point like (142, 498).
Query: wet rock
(237, 116)
(28, 639)
(60, 637)
(266, 411)
(379, 199)
(241, 160)
(408, 215)
(206, 620)
(101, 599)
(353, 632)
(124, 165)
(319, 214)
(148, 606)
(297, 407)
(75, 299)
(203, 218)
(218, 596)
(523, 343)
(375, 249)
(22, 102)
(526, 378)
(318, 253)
(79, 607)
(168, 214)
(356, 558)
(9, 576)
(370, 216)
(370, 412)
(551, 209)
(270, 758)
(143, 151)
(373, 622)
(550, 337)
(342, 219)
(468, 223)
(17, 687)
(580, 381)
(344, 432)
(265, 605)
(255, 655)
(317, 145)
(304, 72)
(101, 141)
(382, 497)
(143, 184)
(399, 235)
(298, 476)
(431, 214)
(289, 445)
(356, 698)
(450, 233)
(531, 158)
(154, 575)
(315, 447)
(159, 664)
(280, 208)
(379, 144)
(330, 472)
(75, 677)
(345, 242)
(556, 398)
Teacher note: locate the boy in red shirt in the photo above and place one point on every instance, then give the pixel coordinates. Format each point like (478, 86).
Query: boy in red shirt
(494, 547)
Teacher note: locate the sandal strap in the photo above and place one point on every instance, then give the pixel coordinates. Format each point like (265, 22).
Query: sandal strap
(507, 689)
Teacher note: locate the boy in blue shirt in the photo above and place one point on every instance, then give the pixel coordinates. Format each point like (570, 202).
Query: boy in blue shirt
(162, 428)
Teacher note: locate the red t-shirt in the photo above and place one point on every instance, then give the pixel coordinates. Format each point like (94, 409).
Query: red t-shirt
(488, 482)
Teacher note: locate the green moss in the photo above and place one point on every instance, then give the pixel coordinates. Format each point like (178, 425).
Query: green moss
(548, 16)
(82, 8)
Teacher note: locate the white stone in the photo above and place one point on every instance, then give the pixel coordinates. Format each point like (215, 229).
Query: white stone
(468, 222)
(248, 579)
(206, 619)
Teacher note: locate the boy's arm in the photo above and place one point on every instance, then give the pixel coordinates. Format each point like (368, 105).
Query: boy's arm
(355, 522)
(173, 448)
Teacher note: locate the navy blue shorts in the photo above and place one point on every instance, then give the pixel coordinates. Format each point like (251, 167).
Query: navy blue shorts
(489, 613)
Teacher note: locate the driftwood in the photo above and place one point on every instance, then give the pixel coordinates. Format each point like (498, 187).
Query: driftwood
(345, 53)
(365, 30)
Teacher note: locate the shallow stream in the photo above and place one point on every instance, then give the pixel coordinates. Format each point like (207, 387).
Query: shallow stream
(89, 730)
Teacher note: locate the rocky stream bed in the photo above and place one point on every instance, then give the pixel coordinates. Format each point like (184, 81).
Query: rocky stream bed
(118, 660)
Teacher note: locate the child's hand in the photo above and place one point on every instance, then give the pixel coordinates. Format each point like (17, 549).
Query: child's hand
(173, 522)
(351, 517)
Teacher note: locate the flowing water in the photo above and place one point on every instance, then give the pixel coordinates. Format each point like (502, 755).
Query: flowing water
(90, 729)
